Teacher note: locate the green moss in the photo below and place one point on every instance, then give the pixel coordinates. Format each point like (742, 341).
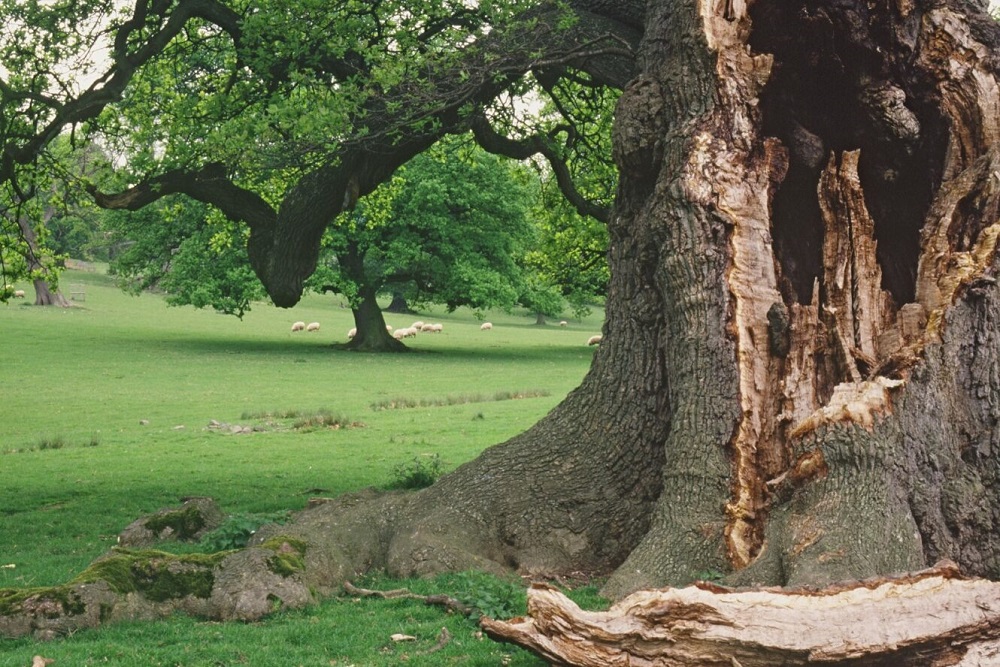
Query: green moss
(157, 575)
(51, 602)
(184, 522)
(289, 555)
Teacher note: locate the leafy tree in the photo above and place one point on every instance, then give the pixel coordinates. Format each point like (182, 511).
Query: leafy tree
(187, 251)
(798, 377)
(447, 229)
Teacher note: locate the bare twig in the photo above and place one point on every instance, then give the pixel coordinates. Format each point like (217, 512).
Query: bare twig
(448, 602)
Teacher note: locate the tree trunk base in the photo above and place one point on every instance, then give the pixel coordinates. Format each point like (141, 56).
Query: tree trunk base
(933, 617)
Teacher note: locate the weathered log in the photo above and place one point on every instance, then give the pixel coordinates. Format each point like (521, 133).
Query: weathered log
(932, 617)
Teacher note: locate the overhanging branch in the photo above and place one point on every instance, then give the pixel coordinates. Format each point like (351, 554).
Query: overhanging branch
(537, 144)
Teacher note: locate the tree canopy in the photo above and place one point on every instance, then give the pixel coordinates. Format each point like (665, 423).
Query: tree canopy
(281, 122)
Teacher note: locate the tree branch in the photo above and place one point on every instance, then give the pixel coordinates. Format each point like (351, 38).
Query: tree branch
(537, 144)
(208, 184)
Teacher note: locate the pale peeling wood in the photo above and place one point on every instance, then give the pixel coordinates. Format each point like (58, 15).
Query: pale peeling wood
(852, 402)
(943, 269)
(860, 309)
(725, 175)
(970, 98)
(934, 617)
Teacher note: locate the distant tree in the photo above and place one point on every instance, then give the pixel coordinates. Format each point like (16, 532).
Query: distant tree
(186, 250)
(448, 228)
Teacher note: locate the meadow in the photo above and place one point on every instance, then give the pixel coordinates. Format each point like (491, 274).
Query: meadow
(112, 409)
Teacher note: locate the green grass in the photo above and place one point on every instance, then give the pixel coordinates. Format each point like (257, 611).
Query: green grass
(105, 416)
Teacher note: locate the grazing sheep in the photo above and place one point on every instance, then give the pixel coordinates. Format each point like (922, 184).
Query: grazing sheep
(437, 328)
(418, 325)
(398, 334)
(563, 323)
(312, 326)
(408, 332)
(19, 294)
(595, 340)
(299, 326)
(427, 327)
(486, 326)
(352, 333)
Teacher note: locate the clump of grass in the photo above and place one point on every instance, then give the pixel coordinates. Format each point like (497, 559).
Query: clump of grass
(320, 419)
(458, 399)
(57, 442)
(418, 473)
(302, 420)
(280, 414)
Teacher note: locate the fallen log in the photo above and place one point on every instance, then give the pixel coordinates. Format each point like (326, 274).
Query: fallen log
(934, 617)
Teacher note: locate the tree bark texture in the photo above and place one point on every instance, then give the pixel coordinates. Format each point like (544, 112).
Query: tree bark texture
(799, 381)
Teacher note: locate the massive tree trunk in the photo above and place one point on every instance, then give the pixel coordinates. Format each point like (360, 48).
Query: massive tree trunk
(799, 381)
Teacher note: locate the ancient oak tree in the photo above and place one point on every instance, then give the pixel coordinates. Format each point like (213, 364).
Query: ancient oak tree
(799, 382)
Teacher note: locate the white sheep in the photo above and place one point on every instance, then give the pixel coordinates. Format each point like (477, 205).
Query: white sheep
(19, 294)
(437, 328)
(486, 326)
(352, 333)
(388, 327)
(312, 326)
(595, 340)
(563, 323)
(427, 327)
(407, 332)
(298, 326)
(418, 325)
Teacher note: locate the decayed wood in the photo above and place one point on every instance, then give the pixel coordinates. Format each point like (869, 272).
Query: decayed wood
(934, 617)
(855, 305)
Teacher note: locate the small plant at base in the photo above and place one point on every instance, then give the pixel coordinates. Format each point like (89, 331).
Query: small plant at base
(494, 597)
(417, 474)
(237, 529)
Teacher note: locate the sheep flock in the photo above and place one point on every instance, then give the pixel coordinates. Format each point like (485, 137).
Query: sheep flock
(421, 327)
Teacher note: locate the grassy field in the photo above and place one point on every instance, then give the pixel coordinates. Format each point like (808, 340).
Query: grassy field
(105, 416)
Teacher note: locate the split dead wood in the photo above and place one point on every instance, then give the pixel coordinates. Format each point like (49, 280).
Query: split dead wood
(449, 603)
(933, 617)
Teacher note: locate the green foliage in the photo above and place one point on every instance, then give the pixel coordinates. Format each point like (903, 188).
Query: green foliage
(420, 472)
(237, 529)
(449, 228)
(189, 252)
(491, 596)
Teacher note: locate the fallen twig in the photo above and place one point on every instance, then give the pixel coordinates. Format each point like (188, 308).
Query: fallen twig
(448, 602)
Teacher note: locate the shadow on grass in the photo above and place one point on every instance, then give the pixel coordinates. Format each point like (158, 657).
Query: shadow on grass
(326, 349)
